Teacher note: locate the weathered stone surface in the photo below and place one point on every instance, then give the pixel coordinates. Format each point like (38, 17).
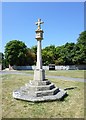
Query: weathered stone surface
(24, 94)
(39, 74)
(39, 83)
(40, 88)
(47, 92)
(43, 91)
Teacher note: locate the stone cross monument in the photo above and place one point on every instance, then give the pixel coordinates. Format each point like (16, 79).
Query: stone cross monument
(40, 88)
(39, 73)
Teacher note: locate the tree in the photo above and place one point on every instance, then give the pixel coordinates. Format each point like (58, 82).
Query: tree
(48, 55)
(69, 53)
(34, 50)
(15, 52)
(82, 38)
(80, 54)
(0, 57)
(31, 57)
(2, 60)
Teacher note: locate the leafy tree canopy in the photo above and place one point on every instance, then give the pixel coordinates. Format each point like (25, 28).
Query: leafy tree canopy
(1, 54)
(15, 52)
(80, 54)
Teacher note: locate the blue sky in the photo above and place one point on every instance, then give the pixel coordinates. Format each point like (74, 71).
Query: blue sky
(63, 22)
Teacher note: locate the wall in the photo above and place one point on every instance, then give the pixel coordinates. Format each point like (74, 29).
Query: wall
(68, 67)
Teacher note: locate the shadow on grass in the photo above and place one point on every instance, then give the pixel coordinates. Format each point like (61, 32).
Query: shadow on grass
(70, 88)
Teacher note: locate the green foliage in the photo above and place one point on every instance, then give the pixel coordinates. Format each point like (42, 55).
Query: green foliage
(31, 57)
(80, 49)
(34, 49)
(0, 57)
(61, 55)
(15, 52)
(67, 54)
(2, 60)
(48, 55)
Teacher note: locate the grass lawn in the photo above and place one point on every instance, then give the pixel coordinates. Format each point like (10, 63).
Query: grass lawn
(66, 73)
(71, 107)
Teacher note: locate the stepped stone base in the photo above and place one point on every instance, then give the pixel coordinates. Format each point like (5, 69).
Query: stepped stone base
(38, 90)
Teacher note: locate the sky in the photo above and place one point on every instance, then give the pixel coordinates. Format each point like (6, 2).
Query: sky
(63, 22)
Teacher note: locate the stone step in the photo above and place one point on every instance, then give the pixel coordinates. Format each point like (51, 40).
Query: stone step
(61, 94)
(40, 88)
(46, 92)
(18, 94)
(40, 82)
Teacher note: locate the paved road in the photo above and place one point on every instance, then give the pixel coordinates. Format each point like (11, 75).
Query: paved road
(47, 76)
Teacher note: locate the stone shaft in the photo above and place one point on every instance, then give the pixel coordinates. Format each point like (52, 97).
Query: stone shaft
(39, 56)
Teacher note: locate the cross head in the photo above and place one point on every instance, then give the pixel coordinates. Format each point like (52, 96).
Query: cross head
(39, 23)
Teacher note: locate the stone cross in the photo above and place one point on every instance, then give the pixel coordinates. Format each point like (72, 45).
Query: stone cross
(39, 23)
(39, 89)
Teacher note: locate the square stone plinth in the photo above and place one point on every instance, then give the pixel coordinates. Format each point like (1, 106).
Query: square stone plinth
(39, 74)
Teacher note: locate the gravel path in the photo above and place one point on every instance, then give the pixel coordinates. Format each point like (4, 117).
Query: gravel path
(47, 76)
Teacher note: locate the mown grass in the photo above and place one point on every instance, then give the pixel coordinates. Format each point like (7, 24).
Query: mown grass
(66, 73)
(71, 107)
